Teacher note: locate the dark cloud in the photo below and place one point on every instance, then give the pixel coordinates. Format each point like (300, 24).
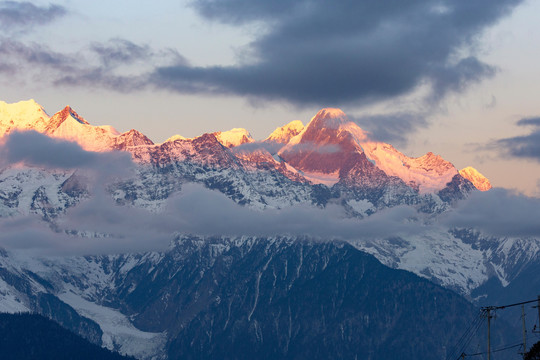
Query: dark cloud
(120, 51)
(459, 76)
(392, 128)
(101, 77)
(37, 150)
(117, 52)
(535, 121)
(336, 52)
(15, 15)
(525, 146)
(106, 65)
(22, 56)
(498, 212)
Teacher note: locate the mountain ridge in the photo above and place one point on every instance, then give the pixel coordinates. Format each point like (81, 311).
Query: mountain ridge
(318, 150)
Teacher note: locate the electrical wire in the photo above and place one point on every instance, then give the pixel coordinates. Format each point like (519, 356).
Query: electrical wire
(457, 348)
(458, 351)
(497, 350)
(467, 336)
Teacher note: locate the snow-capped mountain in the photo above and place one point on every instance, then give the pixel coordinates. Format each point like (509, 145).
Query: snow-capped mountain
(331, 143)
(283, 134)
(234, 137)
(330, 165)
(67, 125)
(477, 179)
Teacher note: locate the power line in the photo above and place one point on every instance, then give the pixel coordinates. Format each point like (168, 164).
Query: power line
(458, 351)
(494, 351)
(458, 347)
(506, 306)
(466, 338)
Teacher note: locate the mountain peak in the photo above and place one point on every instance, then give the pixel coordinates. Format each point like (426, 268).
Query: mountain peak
(283, 134)
(21, 106)
(330, 112)
(175, 138)
(22, 115)
(61, 117)
(324, 145)
(233, 137)
(329, 118)
(478, 180)
(68, 111)
(131, 138)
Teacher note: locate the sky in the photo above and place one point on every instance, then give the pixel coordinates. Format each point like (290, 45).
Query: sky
(458, 78)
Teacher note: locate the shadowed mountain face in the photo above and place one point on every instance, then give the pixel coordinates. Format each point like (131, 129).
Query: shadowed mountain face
(31, 336)
(285, 299)
(247, 298)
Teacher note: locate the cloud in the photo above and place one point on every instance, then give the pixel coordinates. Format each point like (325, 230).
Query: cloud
(498, 212)
(16, 15)
(120, 51)
(247, 148)
(535, 121)
(98, 225)
(458, 77)
(525, 146)
(392, 128)
(309, 147)
(95, 169)
(117, 64)
(339, 52)
(37, 150)
(212, 213)
(21, 55)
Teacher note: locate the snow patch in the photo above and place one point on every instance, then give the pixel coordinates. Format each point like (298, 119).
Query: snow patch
(118, 332)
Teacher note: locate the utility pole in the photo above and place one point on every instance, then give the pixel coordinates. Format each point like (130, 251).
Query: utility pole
(524, 330)
(538, 306)
(488, 314)
(535, 330)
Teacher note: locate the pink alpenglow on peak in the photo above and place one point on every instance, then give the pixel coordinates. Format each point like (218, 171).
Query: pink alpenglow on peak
(329, 118)
(478, 180)
(329, 149)
(234, 137)
(331, 127)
